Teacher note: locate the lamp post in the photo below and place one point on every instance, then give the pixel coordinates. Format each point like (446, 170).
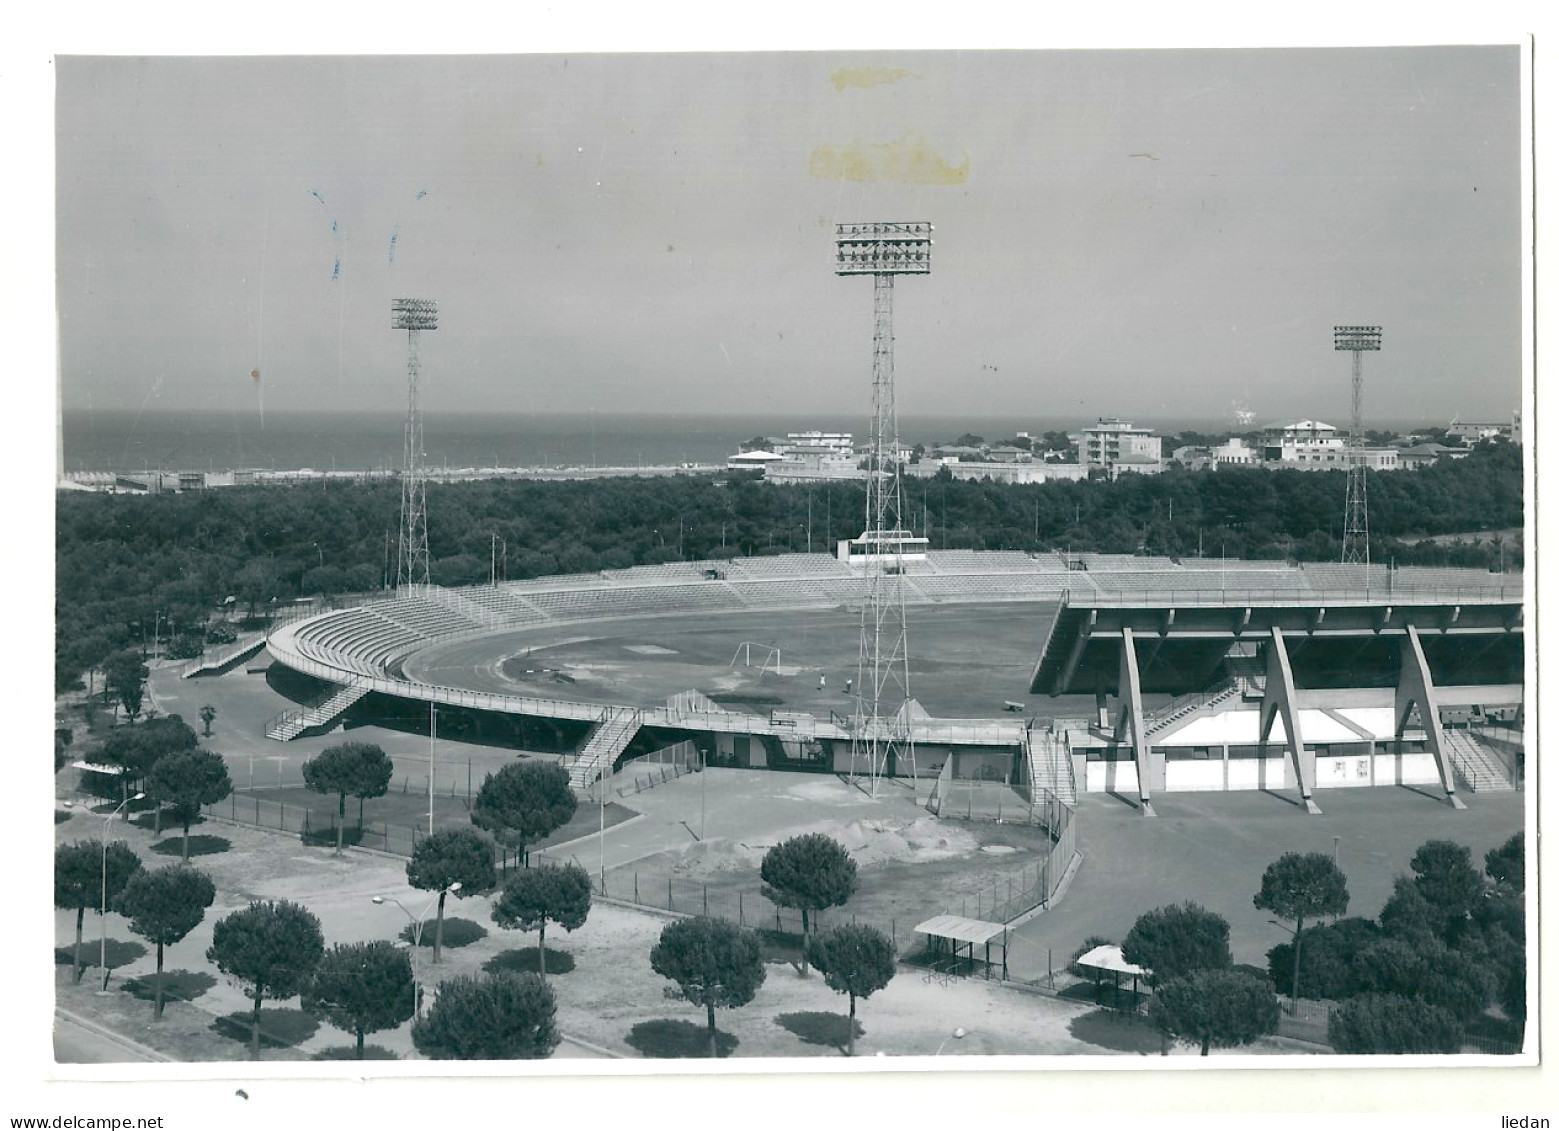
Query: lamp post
(102, 954)
(417, 922)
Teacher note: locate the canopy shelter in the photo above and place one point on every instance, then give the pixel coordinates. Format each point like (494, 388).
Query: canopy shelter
(948, 935)
(1108, 959)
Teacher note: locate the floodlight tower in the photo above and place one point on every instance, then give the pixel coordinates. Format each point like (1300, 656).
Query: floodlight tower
(413, 315)
(880, 728)
(1356, 522)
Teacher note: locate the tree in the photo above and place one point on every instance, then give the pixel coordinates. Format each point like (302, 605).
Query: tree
(524, 802)
(1448, 882)
(1170, 942)
(1221, 1008)
(208, 715)
(712, 962)
(1507, 863)
(448, 857)
(79, 882)
(503, 1016)
(1388, 1023)
(165, 905)
(810, 872)
(358, 768)
(1297, 886)
(270, 949)
(533, 896)
(362, 988)
(135, 749)
(1407, 914)
(186, 780)
(854, 960)
(1426, 969)
(1326, 969)
(124, 678)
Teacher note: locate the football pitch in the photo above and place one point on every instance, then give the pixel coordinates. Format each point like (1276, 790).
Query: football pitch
(966, 661)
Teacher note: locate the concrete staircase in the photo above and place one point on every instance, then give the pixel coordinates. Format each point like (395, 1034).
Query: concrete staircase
(289, 724)
(222, 657)
(1478, 766)
(1049, 766)
(602, 746)
(1186, 706)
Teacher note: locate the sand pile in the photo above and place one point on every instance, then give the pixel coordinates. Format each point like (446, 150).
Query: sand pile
(870, 842)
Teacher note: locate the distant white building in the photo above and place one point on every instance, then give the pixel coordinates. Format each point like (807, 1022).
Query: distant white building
(998, 472)
(1235, 453)
(752, 461)
(1309, 443)
(1470, 432)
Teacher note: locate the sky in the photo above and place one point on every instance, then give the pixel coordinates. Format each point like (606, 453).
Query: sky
(1148, 233)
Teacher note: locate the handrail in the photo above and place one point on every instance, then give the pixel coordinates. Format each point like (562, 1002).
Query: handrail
(1205, 595)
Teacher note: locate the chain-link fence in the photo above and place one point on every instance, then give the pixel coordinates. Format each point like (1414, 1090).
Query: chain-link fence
(744, 907)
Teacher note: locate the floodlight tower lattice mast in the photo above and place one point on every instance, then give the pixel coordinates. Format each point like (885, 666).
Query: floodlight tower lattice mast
(1356, 340)
(880, 736)
(413, 315)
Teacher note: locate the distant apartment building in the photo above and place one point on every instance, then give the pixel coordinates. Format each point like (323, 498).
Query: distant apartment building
(814, 444)
(1119, 445)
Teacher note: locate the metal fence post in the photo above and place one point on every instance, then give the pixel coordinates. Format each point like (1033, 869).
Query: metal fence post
(706, 899)
(636, 887)
(741, 918)
(670, 905)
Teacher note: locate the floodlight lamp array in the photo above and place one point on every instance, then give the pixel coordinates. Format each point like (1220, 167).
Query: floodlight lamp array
(1356, 338)
(889, 248)
(414, 314)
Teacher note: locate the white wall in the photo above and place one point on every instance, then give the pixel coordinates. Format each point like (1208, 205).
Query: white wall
(1117, 777)
(1199, 775)
(1260, 773)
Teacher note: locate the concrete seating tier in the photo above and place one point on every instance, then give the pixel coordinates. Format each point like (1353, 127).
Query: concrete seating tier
(787, 565)
(666, 571)
(425, 617)
(1410, 577)
(1000, 586)
(1325, 577)
(1200, 580)
(560, 581)
(506, 604)
(801, 591)
(982, 561)
(577, 604)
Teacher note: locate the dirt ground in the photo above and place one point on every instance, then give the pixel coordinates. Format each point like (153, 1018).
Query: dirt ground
(610, 998)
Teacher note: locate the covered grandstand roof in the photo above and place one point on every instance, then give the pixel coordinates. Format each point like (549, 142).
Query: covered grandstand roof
(1339, 635)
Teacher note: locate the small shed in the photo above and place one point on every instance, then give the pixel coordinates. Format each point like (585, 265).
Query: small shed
(948, 935)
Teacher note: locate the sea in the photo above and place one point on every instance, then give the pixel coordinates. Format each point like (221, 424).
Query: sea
(97, 440)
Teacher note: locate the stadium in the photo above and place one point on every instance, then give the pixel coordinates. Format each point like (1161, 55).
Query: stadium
(1048, 674)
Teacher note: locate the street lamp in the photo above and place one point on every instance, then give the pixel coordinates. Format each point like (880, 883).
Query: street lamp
(102, 954)
(417, 922)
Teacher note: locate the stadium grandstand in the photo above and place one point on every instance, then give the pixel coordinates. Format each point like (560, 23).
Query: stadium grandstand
(1318, 677)
(1381, 676)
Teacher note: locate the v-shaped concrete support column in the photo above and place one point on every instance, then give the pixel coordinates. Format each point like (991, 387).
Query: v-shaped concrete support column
(1131, 721)
(1415, 687)
(1280, 697)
